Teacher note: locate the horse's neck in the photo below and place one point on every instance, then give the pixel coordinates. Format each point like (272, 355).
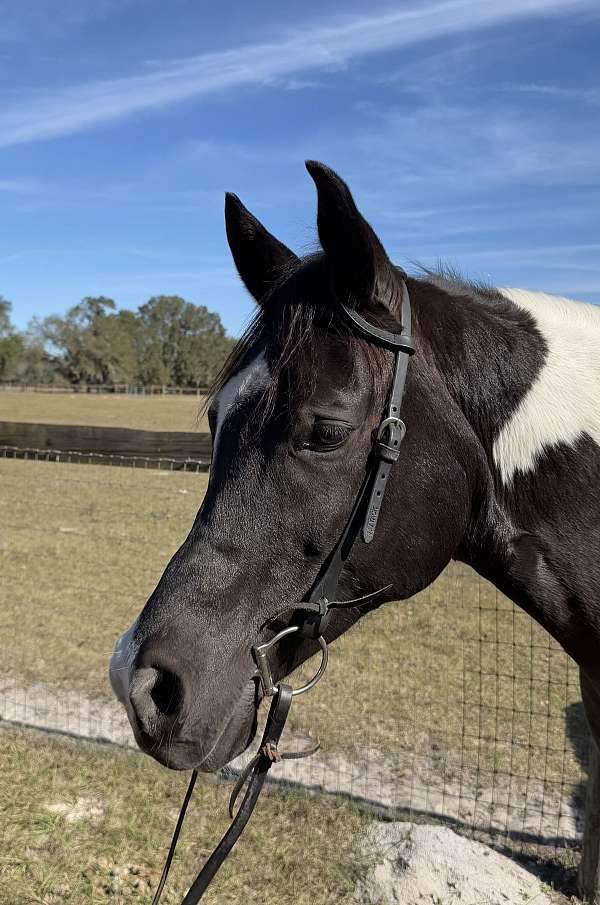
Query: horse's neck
(488, 354)
(487, 351)
(525, 370)
(534, 412)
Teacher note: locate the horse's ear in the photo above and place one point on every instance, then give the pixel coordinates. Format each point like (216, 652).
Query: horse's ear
(362, 271)
(258, 255)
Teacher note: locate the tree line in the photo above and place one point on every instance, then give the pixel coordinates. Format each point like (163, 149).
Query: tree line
(167, 340)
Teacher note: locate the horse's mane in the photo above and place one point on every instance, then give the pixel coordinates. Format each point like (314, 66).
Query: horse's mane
(449, 278)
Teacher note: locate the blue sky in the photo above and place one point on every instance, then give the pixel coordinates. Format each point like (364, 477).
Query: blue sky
(469, 131)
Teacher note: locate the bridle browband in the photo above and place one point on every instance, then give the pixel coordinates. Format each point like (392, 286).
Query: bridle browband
(312, 616)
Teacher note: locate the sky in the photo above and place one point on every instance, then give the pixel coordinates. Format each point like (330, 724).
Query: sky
(468, 131)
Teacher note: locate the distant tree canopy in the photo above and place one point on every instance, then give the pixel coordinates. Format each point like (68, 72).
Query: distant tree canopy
(166, 341)
(11, 343)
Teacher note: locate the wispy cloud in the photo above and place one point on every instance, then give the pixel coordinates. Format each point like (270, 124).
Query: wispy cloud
(554, 254)
(560, 92)
(316, 48)
(20, 255)
(442, 144)
(17, 187)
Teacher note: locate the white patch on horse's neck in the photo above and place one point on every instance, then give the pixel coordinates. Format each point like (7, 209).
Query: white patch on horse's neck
(254, 375)
(563, 403)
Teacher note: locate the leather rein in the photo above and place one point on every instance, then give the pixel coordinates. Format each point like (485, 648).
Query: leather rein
(313, 615)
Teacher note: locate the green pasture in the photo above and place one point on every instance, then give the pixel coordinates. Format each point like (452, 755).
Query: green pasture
(160, 413)
(86, 825)
(457, 673)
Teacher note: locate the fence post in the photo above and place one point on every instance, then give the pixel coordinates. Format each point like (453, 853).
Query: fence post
(589, 868)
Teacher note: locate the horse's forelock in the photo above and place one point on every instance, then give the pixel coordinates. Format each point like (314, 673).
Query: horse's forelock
(288, 327)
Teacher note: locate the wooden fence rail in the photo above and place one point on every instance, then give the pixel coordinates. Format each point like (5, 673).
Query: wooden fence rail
(180, 446)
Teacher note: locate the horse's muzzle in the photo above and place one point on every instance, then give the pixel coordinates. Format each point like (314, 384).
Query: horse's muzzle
(168, 718)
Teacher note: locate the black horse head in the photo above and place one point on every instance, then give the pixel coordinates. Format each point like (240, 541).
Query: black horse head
(292, 419)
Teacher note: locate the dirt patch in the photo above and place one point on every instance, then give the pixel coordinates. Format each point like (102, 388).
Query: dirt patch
(75, 811)
(120, 881)
(432, 865)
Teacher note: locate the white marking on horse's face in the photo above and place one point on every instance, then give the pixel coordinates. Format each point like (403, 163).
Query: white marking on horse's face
(252, 377)
(563, 403)
(121, 662)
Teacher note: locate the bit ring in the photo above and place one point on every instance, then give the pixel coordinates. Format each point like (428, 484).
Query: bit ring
(261, 651)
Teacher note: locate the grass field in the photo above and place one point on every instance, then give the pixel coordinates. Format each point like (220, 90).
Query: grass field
(458, 671)
(83, 826)
(81, 550)
(455, 690)
(456, 678)
(165, 413)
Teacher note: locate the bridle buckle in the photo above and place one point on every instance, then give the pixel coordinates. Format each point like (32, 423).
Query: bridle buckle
(387, 423)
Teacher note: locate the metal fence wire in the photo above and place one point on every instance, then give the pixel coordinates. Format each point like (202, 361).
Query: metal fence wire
(452, 706)
(71, 457)
(130, 389)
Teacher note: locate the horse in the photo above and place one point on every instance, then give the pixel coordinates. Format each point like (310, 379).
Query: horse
(499, 468)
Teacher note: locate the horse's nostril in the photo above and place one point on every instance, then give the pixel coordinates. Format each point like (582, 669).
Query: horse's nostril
(167, 692)
(156, 695)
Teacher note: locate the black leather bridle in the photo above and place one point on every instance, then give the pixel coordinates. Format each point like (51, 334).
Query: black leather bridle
(312, 616)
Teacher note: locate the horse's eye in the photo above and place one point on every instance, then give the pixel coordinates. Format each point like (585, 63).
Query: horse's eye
(327, 435)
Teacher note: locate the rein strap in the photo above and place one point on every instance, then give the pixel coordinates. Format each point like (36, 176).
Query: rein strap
(259, 767)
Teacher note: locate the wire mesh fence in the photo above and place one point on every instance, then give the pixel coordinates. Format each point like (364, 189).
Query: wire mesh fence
(94, 389)
(451, 706)
(73, 457)
(488, 729)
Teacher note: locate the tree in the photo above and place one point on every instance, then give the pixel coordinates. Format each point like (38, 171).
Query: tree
(11, 343)
(168, 340)
(11, 351)
(183, 344)
(93, 343)
(6, 328)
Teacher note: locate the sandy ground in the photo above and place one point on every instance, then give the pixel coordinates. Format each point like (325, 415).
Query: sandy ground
(431, 864)
(424, 789)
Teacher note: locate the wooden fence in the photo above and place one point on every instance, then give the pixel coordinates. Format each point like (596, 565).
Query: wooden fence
(124, 442)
